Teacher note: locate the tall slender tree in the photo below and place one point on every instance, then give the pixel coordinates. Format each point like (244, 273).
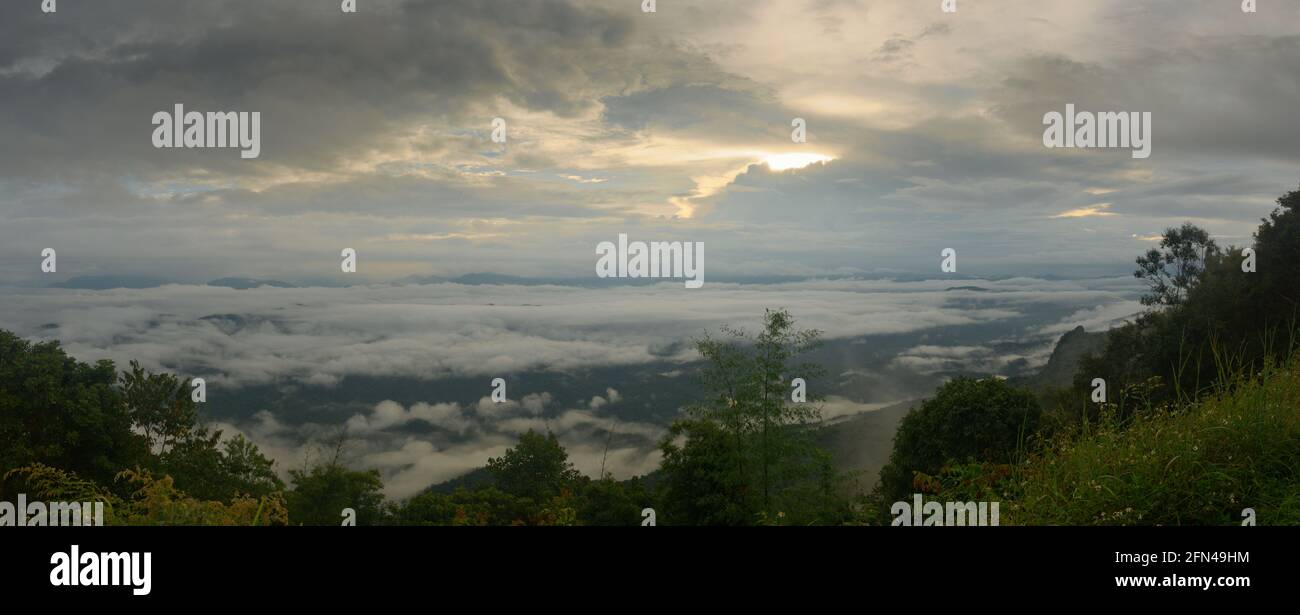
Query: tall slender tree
(747, 440)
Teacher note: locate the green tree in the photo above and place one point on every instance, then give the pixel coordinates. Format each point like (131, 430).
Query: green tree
(967, 420)
(1277, 242)
(613, 503)
(64, 413)
(482, 506)
(1177, 266)
(159, 405)
(210, 468)
(537, 468)
(702, 480)
(320, 494)
(88, 421)
(746, 448)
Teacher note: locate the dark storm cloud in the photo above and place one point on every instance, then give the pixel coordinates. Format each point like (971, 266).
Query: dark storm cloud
(375, 133)
(79, 87)
(1230, 96)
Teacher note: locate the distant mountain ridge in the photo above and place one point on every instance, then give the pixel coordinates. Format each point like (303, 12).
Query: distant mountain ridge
(108, 282)
(247, 283)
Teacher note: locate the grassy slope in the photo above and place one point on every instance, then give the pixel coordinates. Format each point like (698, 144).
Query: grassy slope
(1198, 464)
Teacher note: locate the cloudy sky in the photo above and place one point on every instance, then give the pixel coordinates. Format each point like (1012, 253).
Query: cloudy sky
(670, 125)
(924, 132)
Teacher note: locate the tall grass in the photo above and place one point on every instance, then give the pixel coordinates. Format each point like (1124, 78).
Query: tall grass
(1192, 463)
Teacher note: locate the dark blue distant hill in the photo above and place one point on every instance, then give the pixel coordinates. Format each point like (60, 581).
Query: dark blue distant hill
(106, 282)
(247, 283)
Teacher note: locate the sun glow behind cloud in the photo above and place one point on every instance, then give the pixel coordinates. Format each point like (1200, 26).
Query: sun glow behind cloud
(1089, 211)
(708, 185)
(794, 160)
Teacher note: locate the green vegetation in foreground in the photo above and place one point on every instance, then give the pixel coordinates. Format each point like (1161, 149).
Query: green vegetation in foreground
(1198, 463)
(1188, 464)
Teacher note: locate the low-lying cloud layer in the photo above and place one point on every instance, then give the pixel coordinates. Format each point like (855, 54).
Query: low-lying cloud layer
(410, 462)
(318, 337)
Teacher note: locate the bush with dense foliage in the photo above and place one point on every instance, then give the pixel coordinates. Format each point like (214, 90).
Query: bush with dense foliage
(968, 420)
